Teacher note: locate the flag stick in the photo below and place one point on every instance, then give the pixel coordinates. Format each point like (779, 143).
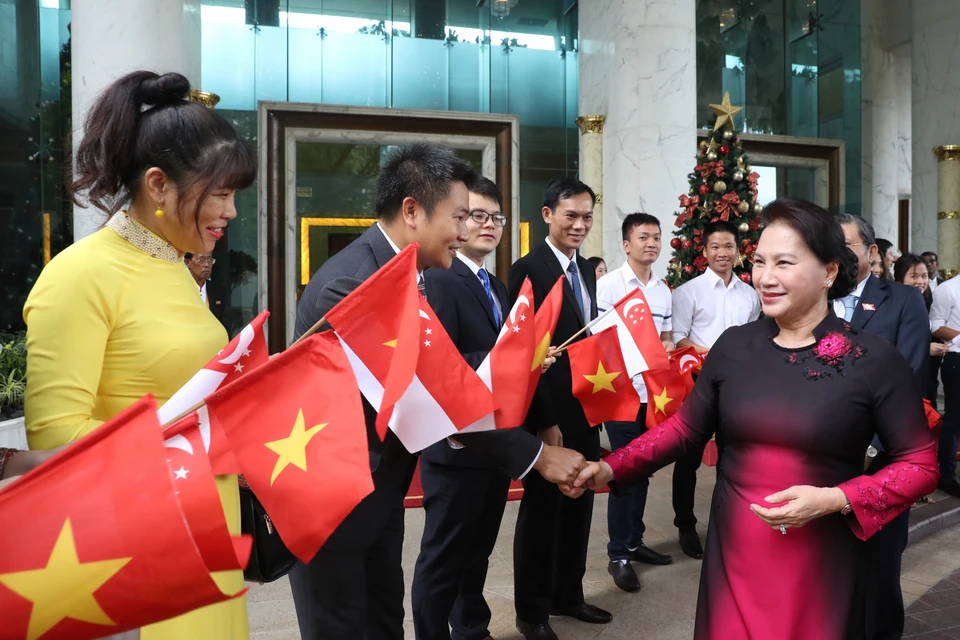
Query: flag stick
(566, 343)
(309, 332)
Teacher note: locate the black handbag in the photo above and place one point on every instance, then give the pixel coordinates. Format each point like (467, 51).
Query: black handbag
(269, 558)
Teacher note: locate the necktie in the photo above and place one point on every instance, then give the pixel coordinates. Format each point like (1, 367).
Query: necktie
(485, 279)
(849, 306)
(422, 286)
(577, 292)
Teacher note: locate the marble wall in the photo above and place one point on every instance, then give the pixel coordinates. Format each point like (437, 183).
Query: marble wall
(638, 68)
(935, 107)
(114, 37)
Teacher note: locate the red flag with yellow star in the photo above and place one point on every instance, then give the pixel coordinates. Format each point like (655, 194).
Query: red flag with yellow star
(666, 391)
(600, 380)
(544, 323)
(296, 427)
(379, 323)
(95, 542)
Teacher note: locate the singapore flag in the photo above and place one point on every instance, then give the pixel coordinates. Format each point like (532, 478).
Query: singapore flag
(639, 341)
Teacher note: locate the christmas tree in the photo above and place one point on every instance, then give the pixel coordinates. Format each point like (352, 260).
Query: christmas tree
(722, 187)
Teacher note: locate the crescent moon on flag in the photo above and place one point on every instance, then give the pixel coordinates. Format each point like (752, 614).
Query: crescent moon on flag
(631, 303)
(246, 337)
(423, 314)
(179, 442)
(204, 426)
(521, 301)
(687, 358)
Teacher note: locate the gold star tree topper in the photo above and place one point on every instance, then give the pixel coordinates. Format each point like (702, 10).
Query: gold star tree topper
(725, 112)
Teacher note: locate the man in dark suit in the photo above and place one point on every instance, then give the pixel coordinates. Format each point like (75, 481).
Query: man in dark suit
(550, 547)
(464, 493)
(897, 314)
(201, 268)
(353, 588)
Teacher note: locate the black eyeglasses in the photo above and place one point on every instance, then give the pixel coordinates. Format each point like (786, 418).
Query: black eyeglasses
(480, 217)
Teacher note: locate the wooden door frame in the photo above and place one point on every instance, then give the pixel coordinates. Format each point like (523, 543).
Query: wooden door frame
(274, 118)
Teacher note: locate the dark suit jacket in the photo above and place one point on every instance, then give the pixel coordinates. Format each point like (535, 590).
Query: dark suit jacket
(344, 272)
(554, 403)
(900, 318)
(217, 299)
(461, 304)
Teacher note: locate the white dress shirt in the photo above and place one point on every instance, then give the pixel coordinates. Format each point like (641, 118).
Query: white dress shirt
(945, 310)
(396, 249)
(704, 307)
(476, 271)
(616, 284)
(203, 292)
(564, 263)
(838, 307)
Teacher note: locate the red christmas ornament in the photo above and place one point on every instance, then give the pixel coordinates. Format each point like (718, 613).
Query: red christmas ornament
(714, 219)
(686, 244)
(724, 149)
(704, 189)
(754, 224)
(675, 243)
(688, 269)
(746, 277)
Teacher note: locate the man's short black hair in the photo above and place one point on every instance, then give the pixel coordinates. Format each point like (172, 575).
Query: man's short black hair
(930, 254)
(635, 220)
(562, 188)
(720, 226)
(188, 256)
(421, 171)
(487, 188)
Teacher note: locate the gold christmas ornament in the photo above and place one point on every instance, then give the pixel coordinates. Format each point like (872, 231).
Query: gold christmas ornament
(743, 207)
(757, 208)
(712, 147)
(683, 238)
(725, 112)
(728, 135)
(720, 186)
(748, 169)
(744, 227)
(703, 145)
(739, 262)
(712, 157)
(737, 176)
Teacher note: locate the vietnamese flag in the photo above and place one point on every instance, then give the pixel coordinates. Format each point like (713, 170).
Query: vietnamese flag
(97, 543)
(505, 370)
(600, 380)
(378, 326)
(545, 322)
(666, 391)
(639, 341)
(296, 427)
(244, 353)
(199, 499)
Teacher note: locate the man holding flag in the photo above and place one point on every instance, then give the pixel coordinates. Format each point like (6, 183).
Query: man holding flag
(642, 244)
(353, 588)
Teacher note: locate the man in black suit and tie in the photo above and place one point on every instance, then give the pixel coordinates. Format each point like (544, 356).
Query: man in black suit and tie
(550, 547)
(353, 587)
(201, 268)
(464, 493)
(897, 314)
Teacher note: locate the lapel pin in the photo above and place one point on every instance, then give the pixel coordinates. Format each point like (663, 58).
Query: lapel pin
(869, 307)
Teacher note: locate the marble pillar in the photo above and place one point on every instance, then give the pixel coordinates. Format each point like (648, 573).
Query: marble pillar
(948, 209)
(638, 67)
(591, 172)
(113, 37)
(935, 114)
(879, 125)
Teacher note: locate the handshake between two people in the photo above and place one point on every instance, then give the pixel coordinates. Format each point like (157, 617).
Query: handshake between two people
(566, 468)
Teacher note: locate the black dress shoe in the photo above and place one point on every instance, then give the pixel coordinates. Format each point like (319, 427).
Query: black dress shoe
(949, 484)
(690, 544)
(586, 613)
(646, 555)
(623, 575)
(540, 631)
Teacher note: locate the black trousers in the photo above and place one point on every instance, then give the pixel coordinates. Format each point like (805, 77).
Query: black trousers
(550, 545)
(353, 587)
(950, 431)
(464, 507)
(878, 598)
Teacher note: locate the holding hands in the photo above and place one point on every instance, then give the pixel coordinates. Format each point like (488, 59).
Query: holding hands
(556, 464)
(592, 477)
(803, 504)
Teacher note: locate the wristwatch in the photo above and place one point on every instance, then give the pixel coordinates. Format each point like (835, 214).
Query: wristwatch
(846, 509)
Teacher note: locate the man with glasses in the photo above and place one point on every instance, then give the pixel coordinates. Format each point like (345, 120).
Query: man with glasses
(201, 267)
(464, 493)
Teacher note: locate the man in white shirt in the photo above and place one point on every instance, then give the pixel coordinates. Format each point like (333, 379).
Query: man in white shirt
(642, 243)
(945, 324)
(711, 303)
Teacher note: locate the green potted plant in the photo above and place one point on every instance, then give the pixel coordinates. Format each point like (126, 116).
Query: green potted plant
(13, 388)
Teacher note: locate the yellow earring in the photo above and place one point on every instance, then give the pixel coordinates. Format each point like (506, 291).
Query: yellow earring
(158, 213)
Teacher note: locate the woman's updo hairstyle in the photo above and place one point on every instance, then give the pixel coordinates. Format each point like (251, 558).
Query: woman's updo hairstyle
(822, 234)
(144, 120)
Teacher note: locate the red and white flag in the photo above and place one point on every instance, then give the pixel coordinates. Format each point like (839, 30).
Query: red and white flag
(639, 340)
(445, 396)
(245, 352)
(506, 369)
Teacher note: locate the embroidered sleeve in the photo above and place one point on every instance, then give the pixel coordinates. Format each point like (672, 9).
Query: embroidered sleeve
(901, 425)
(5, 455)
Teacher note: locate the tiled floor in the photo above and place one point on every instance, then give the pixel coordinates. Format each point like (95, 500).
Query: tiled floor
(665, 608)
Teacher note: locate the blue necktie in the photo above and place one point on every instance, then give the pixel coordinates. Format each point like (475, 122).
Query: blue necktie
(485, 279)
(849, 306)
(577, 292)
